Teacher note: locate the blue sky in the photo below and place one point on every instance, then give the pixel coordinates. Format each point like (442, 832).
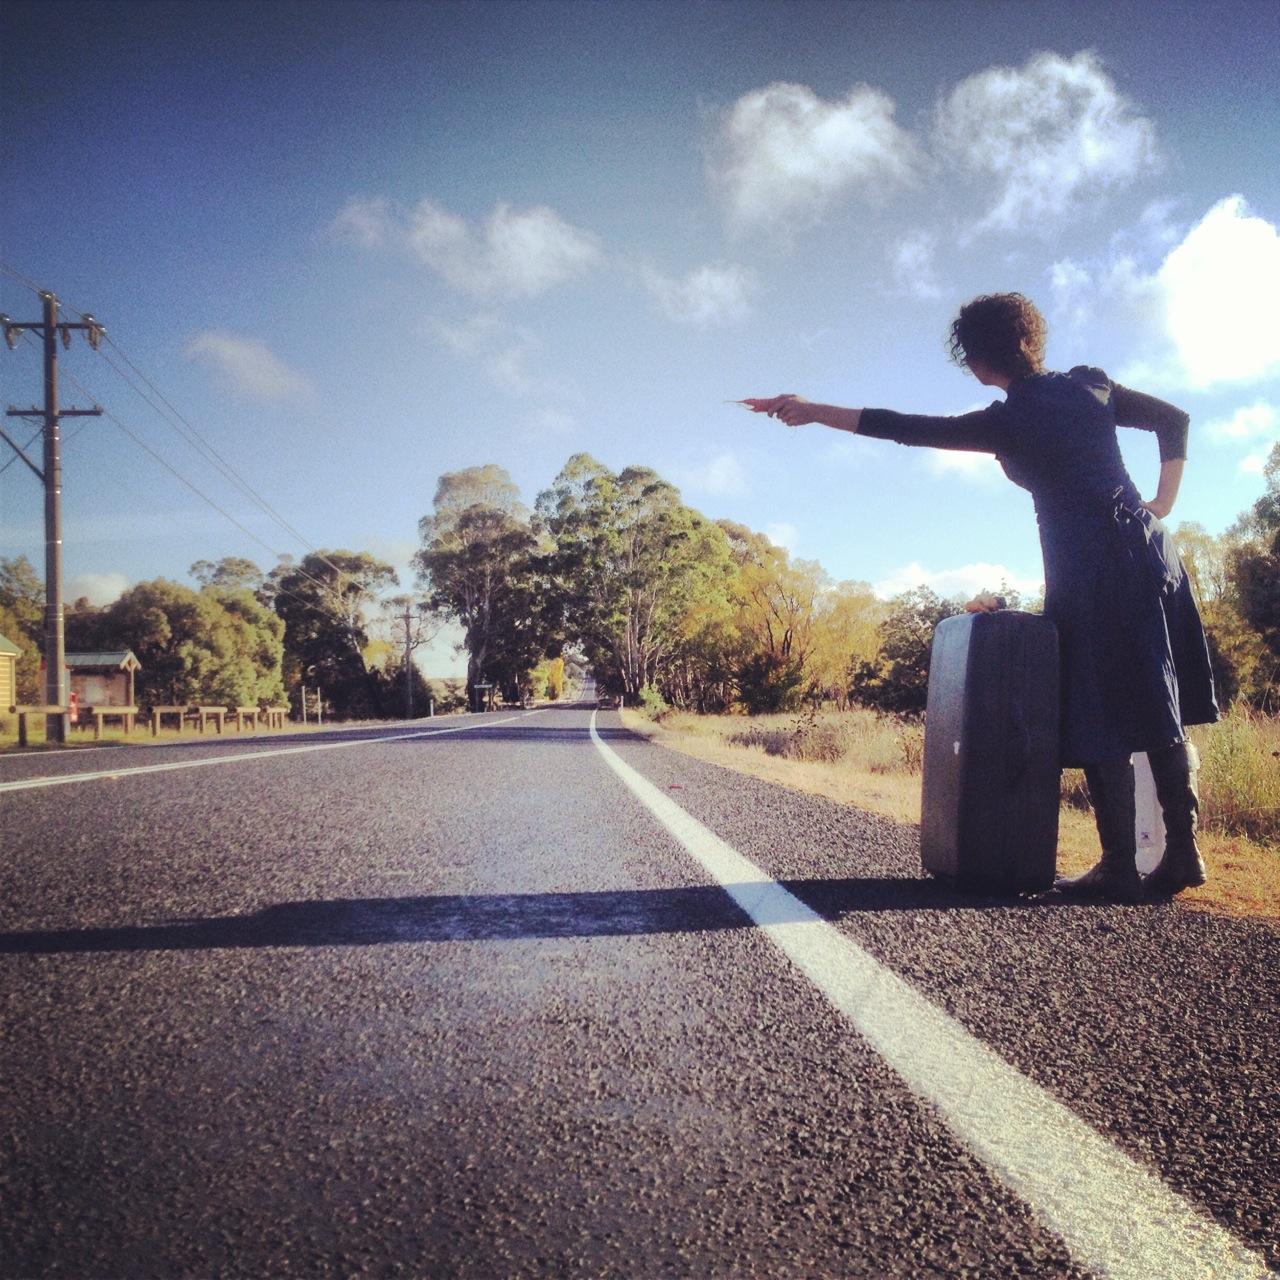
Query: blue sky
(357, 245)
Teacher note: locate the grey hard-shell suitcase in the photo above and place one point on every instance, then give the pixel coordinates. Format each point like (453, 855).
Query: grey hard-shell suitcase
(989, 810)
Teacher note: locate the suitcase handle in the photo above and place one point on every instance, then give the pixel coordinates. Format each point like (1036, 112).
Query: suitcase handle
(1020, 751)
(1020, 747)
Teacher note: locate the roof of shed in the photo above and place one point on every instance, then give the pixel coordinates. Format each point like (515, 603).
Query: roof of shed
(122, 659)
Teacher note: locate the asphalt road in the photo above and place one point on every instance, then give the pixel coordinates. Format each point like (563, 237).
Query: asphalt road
(464, 998)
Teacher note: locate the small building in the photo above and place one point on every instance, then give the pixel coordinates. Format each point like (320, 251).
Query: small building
(9, 655)
(103, 679)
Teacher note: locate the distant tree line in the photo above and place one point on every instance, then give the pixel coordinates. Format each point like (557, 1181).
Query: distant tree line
(611, 573)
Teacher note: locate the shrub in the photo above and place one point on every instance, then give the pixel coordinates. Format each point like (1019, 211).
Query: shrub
(870, 740)
(652, 702)
(1240, 775)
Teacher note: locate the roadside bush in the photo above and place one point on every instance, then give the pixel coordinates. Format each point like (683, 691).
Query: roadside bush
(449, 695)
(868, 740)
(652, 702)
(1240, 775)
(1075, 794)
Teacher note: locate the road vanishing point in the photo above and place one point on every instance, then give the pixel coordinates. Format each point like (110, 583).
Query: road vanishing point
(523, 994)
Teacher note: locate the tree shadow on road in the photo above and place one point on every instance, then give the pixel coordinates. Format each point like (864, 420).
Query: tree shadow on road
(346, 922)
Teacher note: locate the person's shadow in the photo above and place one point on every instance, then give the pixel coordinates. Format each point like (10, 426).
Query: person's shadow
(498, 917)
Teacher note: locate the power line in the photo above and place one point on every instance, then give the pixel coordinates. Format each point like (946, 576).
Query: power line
(319, 583)
(172, 417)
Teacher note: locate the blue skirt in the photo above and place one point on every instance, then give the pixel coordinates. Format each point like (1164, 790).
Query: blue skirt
(1135, 663)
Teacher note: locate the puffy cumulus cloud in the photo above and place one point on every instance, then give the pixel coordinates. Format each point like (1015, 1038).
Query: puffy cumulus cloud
(1255, 427)
(249, 367)
(365, 221)
(1050, 134)
(720, 475)
(782, 154)
(552, 424)
(1209, 314)
(783, 535)
(706, 298)
(979, 468)
(912, 260)
(502, 350)
(507, 354)
(965, 581)
(98, 588)
(1259, 421)
(513, 255)
(1222, 292)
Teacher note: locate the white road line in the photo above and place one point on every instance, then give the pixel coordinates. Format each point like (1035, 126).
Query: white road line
(59, 780)
(1114, 1215)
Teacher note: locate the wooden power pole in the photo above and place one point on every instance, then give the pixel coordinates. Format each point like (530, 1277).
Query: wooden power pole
(55, 649)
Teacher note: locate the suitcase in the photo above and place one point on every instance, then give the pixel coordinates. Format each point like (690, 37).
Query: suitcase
(989, 808)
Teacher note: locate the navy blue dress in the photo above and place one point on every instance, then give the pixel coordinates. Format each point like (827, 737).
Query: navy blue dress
(1135, 665)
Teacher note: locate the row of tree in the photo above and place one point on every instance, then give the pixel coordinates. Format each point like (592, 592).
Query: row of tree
(241, 638)
(613, 572)
(665, 604)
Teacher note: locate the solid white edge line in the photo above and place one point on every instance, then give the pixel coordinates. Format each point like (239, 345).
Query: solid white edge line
(1114, 1214)
(59, 780)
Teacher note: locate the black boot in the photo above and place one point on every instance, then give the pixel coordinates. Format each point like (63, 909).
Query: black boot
(1175, 770)
(1115, 877)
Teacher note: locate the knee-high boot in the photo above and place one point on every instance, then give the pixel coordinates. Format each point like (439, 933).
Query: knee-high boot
(1115, 877)
(1175, 771)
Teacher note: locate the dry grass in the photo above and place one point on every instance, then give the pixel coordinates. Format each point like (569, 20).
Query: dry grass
(1244, 874)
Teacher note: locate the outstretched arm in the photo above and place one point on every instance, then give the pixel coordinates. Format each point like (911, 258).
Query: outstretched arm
(795, 411)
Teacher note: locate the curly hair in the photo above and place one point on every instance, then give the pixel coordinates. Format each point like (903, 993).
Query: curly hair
(1003, 331)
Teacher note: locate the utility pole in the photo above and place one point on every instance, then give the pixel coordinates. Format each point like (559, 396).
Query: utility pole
(408, 660)
(55, 648)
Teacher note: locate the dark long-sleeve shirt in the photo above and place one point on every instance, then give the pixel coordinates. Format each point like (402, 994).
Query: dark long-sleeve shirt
(1134, 663)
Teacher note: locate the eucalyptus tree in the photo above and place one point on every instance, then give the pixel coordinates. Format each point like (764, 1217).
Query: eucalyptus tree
(325, 601)
(780, 602)
(630, 561)
(1254, 565)
(479, 564)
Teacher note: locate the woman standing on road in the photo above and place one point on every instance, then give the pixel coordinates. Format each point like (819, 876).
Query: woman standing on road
(1135, 665)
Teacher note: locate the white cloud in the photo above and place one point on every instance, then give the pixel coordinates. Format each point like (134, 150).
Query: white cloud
(980, 468)
(1256, 427)
(1258, 421)
(967, 581)
(505, 352)
(783, 154)
(514, 255)
(98, 588)
(723, 474)
(1222, 290)
(551, 424)
(1049, 134)
(1209, 314)
(250, 368)
(705, 298)
(912, 258)
(365, 221)
(783, 535)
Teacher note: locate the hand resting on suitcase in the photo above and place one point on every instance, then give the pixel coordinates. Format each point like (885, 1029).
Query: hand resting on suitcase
(986, 603)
